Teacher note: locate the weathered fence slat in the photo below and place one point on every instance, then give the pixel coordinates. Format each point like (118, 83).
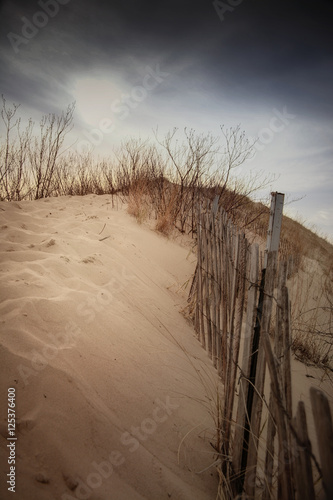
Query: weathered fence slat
(198, 276)
(213, 273)
(252, 299)
(225, 292)
(240, 278)
(205, 259)
(230, 356)
(219, 305)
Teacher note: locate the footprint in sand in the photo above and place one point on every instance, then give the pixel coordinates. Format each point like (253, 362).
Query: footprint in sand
(88, 260)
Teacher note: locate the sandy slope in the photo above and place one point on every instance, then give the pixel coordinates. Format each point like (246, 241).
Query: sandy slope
(114, 394)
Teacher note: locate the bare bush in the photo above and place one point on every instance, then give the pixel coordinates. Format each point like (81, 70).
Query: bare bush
(8, 153)
(190, 163)
(46, 148)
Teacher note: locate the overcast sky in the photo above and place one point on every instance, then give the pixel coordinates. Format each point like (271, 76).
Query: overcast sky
(131, 66)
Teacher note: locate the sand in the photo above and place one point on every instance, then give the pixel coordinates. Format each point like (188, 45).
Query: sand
(115, 398)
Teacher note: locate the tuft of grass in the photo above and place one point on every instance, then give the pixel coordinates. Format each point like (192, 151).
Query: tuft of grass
(164, 224)
(165, 218)
(137, 205)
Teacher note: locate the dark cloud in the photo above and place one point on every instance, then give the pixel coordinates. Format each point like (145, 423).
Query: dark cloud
(260, 49)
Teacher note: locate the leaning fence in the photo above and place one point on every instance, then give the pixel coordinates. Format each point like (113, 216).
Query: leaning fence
(242, 319)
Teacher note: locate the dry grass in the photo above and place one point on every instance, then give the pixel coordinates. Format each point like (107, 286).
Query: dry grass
(164, 224)
(137, 205)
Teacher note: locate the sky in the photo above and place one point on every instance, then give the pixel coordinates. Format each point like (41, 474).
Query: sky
(133, 66)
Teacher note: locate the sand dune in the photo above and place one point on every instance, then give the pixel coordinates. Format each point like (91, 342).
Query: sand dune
(114, 395)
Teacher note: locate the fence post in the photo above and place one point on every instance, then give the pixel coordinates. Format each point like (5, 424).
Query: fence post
(274, 225)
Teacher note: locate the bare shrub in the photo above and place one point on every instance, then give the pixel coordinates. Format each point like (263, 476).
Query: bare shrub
(190, 162)
(14, 181)
(44, 151)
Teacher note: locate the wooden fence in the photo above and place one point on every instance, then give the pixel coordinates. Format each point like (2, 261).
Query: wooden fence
(242, 319)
